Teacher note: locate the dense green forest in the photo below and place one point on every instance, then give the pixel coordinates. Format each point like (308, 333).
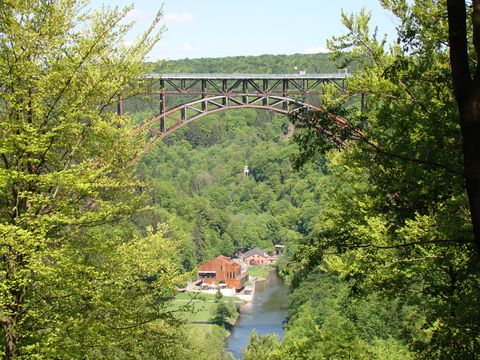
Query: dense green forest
(198, 185)
(380, 253)
(263, 64)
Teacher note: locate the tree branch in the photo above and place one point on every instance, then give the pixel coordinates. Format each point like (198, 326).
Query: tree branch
(414, 243)
(379, 150)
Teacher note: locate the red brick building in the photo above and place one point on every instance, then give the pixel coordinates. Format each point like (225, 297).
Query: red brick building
(222, 270)
(258, 257)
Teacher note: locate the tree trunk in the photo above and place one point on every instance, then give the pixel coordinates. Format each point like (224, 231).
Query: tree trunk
(10, 335)
(10, 321)
(467, 94)
(470, 124)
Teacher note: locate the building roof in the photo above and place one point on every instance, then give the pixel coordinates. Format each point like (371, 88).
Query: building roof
(223, 259)
(254, 251)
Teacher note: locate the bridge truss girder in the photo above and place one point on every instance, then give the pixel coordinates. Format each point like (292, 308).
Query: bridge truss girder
(232, 87)
(211, 94)
(215, 86)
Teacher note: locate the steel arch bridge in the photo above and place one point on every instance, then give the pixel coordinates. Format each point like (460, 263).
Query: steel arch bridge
(198, 95)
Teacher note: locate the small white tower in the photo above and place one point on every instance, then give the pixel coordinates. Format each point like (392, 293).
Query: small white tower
(246, 170)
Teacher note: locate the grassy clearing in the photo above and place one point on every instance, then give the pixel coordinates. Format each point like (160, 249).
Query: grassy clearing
(195, 296)
(198, 307)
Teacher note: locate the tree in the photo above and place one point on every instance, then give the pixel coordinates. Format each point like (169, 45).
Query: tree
(105, 295)
(63, 155)
(199, 240)
(260, 346)
(221, 313)
(395, 214)
(328, 320)
(467, 94)
(218, 296)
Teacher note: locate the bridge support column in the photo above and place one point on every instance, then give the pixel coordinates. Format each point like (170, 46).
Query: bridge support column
(183, 113)
(245, 91)
(224, 90)
(265, 90)
(162, 124)
(204, 94)
(285, 93)
(163, 105)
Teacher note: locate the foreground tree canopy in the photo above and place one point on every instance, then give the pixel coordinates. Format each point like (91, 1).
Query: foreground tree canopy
(73, 286)
(400, 205)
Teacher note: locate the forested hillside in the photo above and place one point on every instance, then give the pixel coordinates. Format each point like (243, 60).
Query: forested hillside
(268, 64)
(198, 181)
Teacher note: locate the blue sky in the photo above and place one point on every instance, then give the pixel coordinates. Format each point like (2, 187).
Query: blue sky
(215, 28)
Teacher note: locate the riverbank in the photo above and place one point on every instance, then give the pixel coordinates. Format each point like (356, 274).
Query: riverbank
(265, 311)
(202, 304)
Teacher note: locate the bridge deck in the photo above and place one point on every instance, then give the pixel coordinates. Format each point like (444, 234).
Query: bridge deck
(213, 76)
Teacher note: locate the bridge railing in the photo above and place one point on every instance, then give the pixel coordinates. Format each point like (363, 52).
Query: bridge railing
(220, 76)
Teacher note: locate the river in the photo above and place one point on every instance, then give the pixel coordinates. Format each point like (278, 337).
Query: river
(266, 315)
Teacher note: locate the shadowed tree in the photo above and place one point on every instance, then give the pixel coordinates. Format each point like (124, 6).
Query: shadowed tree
(466, 85)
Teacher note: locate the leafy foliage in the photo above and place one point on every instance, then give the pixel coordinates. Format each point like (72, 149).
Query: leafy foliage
(395, 220)
(375, 220)
(72, 284)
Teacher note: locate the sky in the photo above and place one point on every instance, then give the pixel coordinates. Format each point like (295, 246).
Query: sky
(217, 28)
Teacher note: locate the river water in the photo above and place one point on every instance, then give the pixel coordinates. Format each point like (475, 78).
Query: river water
(266, 315)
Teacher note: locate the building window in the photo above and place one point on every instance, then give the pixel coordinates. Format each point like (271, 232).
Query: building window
(206, 275)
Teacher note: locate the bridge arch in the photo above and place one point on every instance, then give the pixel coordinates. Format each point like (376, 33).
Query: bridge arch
(282, 105)
(215, 104)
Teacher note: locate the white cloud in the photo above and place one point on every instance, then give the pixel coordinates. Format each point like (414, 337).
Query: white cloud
(315, 50)
(178, 18)
(188, 47)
